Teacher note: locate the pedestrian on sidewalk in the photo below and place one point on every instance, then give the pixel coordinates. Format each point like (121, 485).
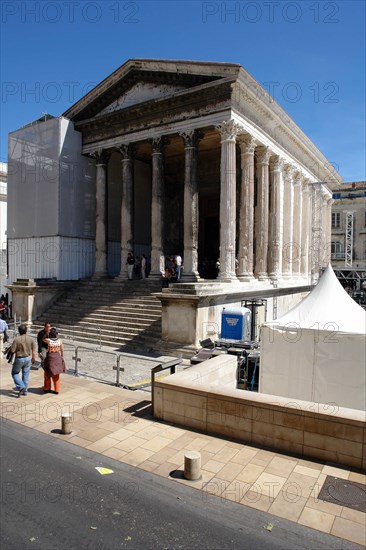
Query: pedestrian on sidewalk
(54, 363)
(2, 309)
(24, 348)
(3, 335)
(42, 346)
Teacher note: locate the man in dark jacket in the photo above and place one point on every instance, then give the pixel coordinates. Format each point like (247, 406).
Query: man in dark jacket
(42, 346)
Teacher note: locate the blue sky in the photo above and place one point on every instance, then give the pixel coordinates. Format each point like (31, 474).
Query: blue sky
(310, 54)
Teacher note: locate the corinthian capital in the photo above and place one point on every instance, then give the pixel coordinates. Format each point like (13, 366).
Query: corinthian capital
(191, 137)
(276, 163)
(298, 178)
(289, 172)
(247, 144)
(126, 151)
(229, 130)
(263, 155)
(101, 156)
(159, 143)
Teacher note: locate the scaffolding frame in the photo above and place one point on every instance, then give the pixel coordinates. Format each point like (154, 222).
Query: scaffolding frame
(316, 234)
(348, 256)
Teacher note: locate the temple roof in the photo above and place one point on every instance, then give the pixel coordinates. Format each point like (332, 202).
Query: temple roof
(179, 74)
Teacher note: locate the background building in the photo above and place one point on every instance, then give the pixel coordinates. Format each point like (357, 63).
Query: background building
(348, 236)
(3, 226)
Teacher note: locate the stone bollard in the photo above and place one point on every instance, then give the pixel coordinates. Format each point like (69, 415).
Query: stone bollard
(192, 465)
(66, 423)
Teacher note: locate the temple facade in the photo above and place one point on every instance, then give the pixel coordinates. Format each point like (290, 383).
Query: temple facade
(165, 158)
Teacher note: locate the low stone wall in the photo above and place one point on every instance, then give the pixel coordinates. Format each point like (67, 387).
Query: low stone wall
(204, 397)
(198, 307)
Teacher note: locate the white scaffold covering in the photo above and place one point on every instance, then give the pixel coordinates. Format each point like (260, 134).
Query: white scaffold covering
(317, 351)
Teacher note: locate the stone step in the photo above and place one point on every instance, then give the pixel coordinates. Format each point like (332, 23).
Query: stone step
(95, 335)
(111, 327)
(117, 302)
(122, 327)
(109, 313)
(112, 310)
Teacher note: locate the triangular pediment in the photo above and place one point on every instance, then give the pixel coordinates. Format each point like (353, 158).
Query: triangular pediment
(139, 93)
(143, 80)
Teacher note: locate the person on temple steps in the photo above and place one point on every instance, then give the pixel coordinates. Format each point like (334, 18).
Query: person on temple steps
(130, 265)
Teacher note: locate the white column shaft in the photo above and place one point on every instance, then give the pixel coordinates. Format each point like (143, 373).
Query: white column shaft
(246, 212)
(100, 221)
(229, 131)
(297, 223)
(157, 210)
(127, 209)
(190, 254)
(287, 248)
(275, 214)
(261, 226)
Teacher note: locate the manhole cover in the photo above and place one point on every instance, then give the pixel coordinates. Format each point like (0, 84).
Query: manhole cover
(345, 493)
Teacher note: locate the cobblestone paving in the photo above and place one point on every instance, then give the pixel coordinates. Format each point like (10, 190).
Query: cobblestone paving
(98, 362)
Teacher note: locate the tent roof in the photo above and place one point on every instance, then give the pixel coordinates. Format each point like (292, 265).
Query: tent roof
(327, 307)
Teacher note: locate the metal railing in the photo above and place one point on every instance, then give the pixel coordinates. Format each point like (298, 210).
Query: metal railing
(117, 367)
(163, 366)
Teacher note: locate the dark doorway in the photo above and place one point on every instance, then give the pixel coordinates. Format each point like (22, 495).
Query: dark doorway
(209, 250)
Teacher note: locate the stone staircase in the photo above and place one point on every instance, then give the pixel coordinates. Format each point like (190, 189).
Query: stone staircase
(108, 312)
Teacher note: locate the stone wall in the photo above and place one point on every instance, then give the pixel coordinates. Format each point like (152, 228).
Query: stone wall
(204, 397)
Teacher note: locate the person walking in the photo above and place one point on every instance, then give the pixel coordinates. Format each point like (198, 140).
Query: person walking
(42, 346)
(24, 349)
(54, 364)
(2, 309)
(3, 335)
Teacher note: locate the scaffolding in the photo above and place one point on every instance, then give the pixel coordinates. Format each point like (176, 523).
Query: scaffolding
(316, 226)
(349, 238)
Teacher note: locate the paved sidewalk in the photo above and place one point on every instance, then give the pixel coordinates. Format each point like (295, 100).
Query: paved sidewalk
(118, 423)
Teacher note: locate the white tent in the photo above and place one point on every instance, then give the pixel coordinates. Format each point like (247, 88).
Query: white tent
(317, 351)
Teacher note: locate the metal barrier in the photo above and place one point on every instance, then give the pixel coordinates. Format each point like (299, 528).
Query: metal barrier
(116, 367)
(163, 366)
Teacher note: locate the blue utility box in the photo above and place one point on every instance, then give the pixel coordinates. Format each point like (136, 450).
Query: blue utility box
(236, 323)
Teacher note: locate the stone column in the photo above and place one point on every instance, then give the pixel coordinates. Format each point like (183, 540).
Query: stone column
(190, 255)
(275, 218)
(297, 224)
(246, 212)
(261, 225)
(305, 228)
(157, 208)
(127, 207)
(101, 158)
(228, 130)
(287, 254)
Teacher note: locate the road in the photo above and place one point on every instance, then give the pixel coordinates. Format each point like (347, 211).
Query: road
(53, 498)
